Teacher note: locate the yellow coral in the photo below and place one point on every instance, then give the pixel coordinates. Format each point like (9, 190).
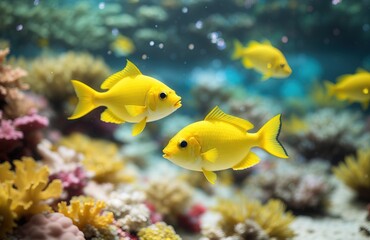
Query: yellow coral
(7, 215)
(32, 187)
(22, 193)
(270, 217)
(86, 213)
(5, 173)
(355, 173)
(158, 231)
(51, 76)
(100, 157)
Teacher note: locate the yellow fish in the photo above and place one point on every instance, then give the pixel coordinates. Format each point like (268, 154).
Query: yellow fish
(352, 87)
(122, 46)
(264, 58)
(130, 97)
(220, 142)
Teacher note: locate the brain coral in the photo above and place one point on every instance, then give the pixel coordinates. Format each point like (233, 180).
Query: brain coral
(52, 226)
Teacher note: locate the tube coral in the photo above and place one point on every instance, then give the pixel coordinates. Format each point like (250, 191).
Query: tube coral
(270, 217)
(354, 172)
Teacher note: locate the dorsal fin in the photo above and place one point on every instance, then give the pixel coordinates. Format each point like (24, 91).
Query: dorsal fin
(129, 71)
(343, 77)
(218, 115)
(253, 43)
(361, 70)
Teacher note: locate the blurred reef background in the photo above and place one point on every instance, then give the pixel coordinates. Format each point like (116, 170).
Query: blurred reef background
(86, 179)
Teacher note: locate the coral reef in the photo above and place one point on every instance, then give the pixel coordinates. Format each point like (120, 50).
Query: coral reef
(354, 172)
(87, 215)
(51, 75)
(129, 209)
(158, 231)
(25, 191)
(270, 218)
(11, 87)
(169, 197)
(328, 135)
(302, 188)
(100, 157)
(51, 226)
(32, 188)
(7, 215)
(19, 137)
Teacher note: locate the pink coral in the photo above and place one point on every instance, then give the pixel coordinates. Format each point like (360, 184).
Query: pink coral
(53, 226)
(20, 137)
(10, 137)
(31, 122)
(73, 181)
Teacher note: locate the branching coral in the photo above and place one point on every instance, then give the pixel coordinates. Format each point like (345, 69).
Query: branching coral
(270, 217)
(169, 197)
(86, 214)
(158, 231)
(52, 226)
(7, 215)
(24, 191)
(32, 188)
(100, 157)
(355, 173)
(51, 76)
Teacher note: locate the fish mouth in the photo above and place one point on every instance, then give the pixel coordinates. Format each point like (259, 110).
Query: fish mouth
(166, 154)
(178, 104)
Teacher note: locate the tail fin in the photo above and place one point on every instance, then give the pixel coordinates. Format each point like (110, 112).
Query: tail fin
(330, 87)
(238, 51)
(85, 96)
(268, 136)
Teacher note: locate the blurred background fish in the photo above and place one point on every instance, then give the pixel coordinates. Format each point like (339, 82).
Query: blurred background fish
(352, 87)
(264, 58)
(122, 46)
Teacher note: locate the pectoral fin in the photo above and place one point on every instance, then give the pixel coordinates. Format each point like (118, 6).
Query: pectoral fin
(135, 110)
(250, 160)
(266, 76)
(151, 100)
(210, 156)
(139, 127)
(247, 63)
(109, 117)
(210, 176)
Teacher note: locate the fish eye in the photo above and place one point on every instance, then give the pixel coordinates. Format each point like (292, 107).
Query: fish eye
(183, 144)
(162, 95)
(282, 65)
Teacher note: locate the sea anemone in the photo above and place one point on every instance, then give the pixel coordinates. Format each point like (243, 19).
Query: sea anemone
(355, 173)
